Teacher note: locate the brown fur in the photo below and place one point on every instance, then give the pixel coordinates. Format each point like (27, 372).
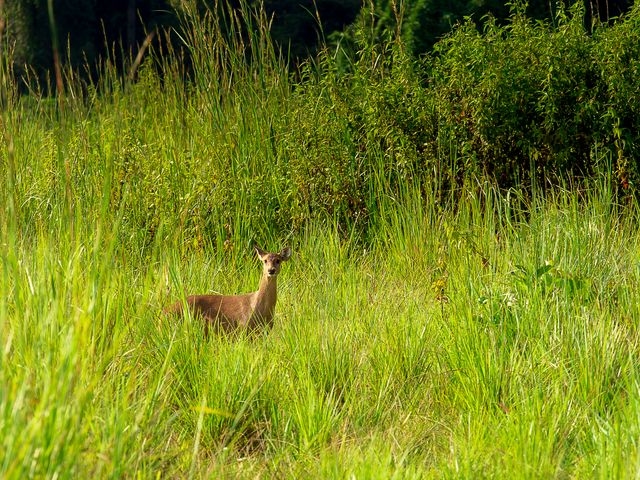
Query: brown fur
(229, 313)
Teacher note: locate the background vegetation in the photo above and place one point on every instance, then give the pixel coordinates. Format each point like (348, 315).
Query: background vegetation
(87, 31)
(462, 300)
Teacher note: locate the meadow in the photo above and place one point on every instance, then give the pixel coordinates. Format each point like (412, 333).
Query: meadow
(430, 324)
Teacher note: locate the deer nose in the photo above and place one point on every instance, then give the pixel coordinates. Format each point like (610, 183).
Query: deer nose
(272, 271)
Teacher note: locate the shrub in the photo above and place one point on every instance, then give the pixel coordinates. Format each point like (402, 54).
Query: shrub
(528, 101)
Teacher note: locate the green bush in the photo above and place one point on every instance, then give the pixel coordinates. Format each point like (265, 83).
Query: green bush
(617, 58)
(523, 104)
(357, 132)
(533, 102)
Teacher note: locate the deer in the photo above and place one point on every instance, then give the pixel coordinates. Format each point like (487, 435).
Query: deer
(232, 313)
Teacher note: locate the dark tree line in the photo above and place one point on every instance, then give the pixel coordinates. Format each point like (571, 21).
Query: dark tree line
(87, 30)
(424, 22)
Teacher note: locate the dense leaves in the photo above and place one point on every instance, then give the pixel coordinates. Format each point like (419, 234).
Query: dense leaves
(531, 100)
(523, 104)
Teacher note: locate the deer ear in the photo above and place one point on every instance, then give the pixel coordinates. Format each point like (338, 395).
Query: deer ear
(286, 253)
(261, 253)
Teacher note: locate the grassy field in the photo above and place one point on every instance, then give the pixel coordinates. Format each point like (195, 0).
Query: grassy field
(494, 338)
(464, 345)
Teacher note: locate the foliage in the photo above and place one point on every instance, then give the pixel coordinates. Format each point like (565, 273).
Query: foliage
(531, 101)
(357, 133)
(525, 104)
(415, 337)
(95, 30)
(423, 23)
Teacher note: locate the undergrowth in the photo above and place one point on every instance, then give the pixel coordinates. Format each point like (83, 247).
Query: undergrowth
(433, 321)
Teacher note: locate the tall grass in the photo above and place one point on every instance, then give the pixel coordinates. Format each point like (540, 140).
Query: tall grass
(495, 338)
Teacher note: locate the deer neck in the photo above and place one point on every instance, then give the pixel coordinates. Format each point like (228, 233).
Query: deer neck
(265, 297)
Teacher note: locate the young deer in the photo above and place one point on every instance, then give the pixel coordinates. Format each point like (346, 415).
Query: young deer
(228, 313)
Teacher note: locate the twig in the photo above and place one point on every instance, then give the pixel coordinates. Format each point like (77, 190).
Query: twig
(138, 60)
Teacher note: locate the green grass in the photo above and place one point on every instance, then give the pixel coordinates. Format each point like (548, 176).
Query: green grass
(495, 337)
(464, 345)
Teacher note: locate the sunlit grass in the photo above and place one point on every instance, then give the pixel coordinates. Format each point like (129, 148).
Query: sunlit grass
(520, 363)
(495, 336)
